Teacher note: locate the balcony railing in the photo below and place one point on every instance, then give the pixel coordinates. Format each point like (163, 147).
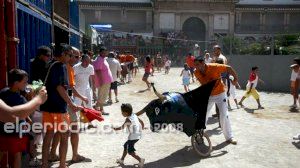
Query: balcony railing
(266, 29)
(42, 5)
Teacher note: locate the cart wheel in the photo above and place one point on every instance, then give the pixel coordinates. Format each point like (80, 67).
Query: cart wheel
(201, 144)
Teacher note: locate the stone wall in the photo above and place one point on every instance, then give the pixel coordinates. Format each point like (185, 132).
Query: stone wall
(274, 70)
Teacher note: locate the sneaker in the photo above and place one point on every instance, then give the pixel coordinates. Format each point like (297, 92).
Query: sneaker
(109, 101)
(117, 100)
(297, 137)
(215, 115)
(261, 107)
(293, 106)
(142, 162)
(104, 113)
(232, 141)
(35, 163)
(120, 161)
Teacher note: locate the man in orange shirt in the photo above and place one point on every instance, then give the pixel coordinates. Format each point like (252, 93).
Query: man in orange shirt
(190, 61)
(209, 72)
(129, 62)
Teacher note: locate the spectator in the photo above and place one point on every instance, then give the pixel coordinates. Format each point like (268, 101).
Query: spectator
(208, 59)
(218, 54)
(148, 67)
(83, 72)
(115, 68)
(55, 108)
(39, 64)
(9, 114)
(190, 62)
(12, 142)
(186, 75)
(103, 78)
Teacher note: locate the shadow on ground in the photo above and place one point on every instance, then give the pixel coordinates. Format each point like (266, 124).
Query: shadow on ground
(294, 110)
(248, 110)
(296, 144)
(142, 91)
(86, 160)
(181, 158)
(215, 131)
(212, 120)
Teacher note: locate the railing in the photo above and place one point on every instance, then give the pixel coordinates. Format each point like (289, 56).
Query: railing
(257, 28)
(42, 5)
(247, 28)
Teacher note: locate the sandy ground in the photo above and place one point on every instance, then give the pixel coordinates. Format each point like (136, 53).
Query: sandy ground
(264, 136)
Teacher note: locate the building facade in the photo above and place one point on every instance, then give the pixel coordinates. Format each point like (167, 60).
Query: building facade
(127, 16)
(267, 17)
(198, 19)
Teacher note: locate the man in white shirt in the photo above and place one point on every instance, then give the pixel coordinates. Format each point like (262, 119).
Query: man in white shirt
(83, 72)
(218, 54)
(115, 68)
(208, 59)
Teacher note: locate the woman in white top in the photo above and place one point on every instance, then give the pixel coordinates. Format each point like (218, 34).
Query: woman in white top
(186, 76)
(294, 83)
(167, 65)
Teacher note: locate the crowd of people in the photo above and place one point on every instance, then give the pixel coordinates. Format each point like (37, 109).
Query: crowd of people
(73, 80)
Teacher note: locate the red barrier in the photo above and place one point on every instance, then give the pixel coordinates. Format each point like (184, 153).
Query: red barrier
(3, 64)
(12, 41)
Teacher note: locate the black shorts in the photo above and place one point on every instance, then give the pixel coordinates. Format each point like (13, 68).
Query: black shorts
(192, 70)
(146, 75)
(114, 85)
(129, 146)
(130, 66)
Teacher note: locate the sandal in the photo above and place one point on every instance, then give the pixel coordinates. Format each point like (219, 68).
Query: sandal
(53, 159)
(79, 159)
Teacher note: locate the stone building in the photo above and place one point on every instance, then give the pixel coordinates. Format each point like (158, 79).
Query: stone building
(123, 15)
(267, 16)
(198, 19)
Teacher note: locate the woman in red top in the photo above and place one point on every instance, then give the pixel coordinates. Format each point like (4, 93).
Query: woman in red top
(190, 62)
(148, 67)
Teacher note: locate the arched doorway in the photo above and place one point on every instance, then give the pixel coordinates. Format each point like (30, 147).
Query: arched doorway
(194, 29)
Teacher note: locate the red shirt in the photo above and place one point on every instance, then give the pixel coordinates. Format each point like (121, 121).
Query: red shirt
(252, 77)
(148, 67)
(190, 61)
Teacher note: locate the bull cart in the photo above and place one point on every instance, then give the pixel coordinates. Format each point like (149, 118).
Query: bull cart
(189, 109)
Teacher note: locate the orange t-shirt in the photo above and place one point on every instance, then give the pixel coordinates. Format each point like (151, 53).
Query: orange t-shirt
(71, 75)
(122, 58)
(129, 58)
(190, 61)
(213, 72)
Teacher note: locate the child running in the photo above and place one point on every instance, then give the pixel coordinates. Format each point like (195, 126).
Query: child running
(186, 76)
(251, 87)
(134, 126)
(148, 67)
(167, 65)
(294, 84)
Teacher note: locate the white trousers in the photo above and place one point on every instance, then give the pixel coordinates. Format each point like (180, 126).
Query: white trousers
(221, 101)
(129, 76)
(87, 93)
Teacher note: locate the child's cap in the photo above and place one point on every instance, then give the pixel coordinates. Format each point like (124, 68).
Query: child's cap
(254, 68)
(293, 65)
